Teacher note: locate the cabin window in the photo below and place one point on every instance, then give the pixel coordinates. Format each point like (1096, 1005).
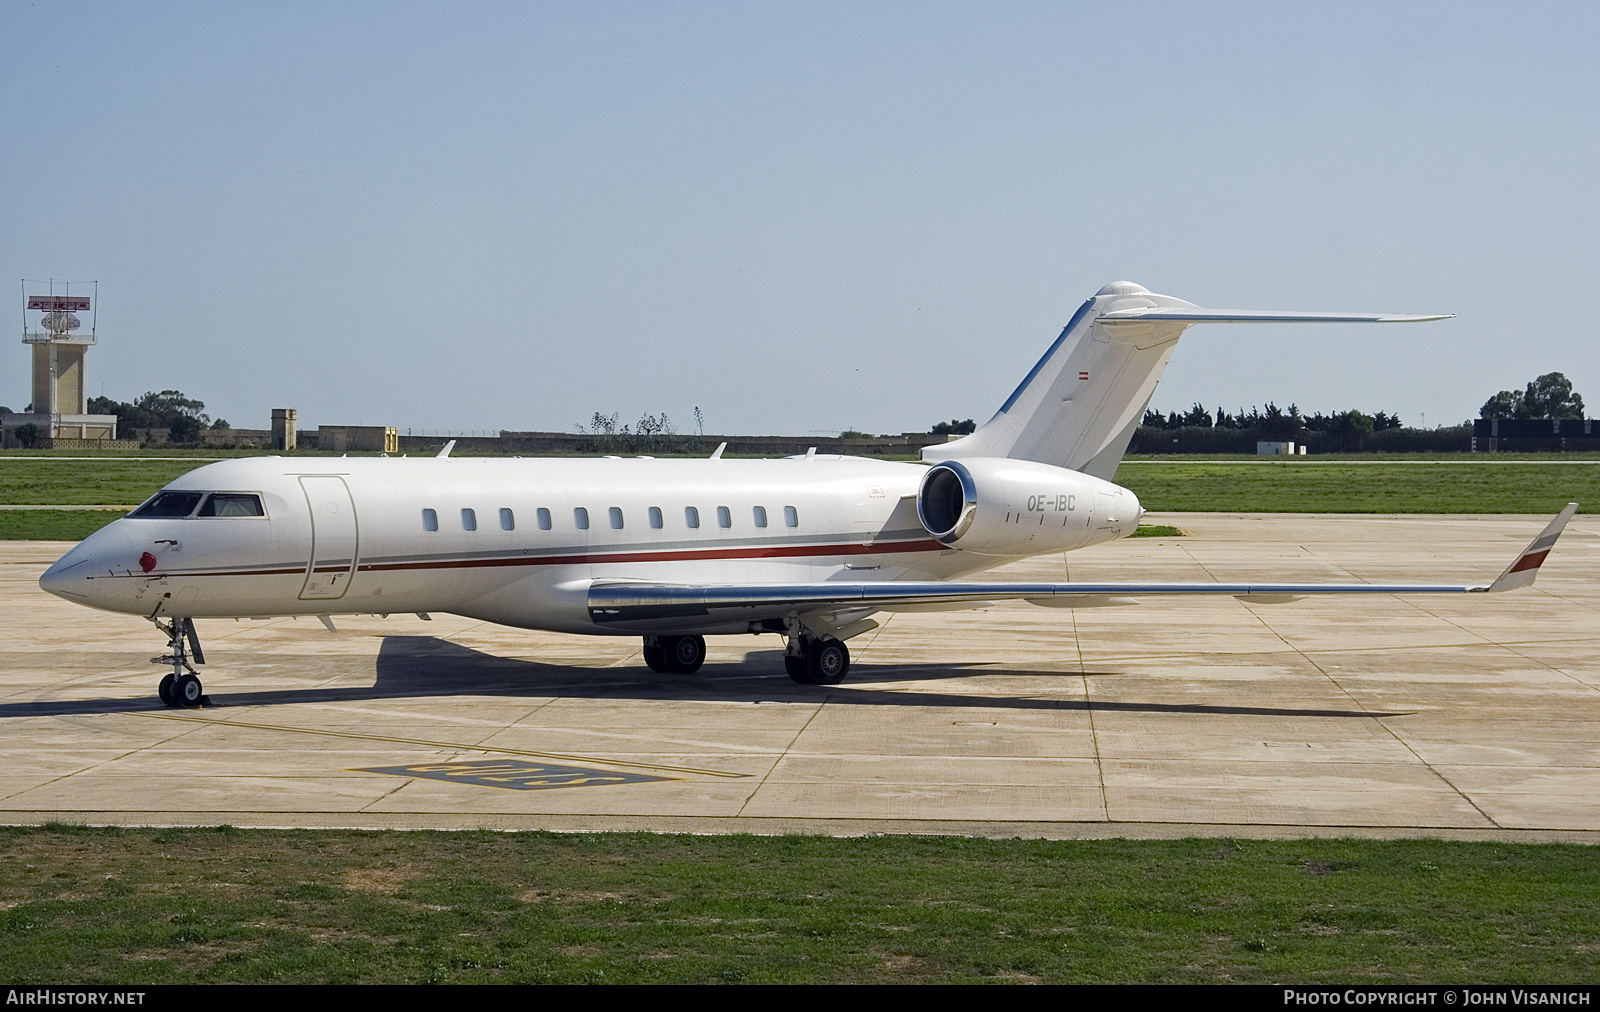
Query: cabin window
(761, 516)
(655, 517)
(580, 516)
(544, 519)
(724, 518)
(616, 518)
(232, 504)
(508, 522)
(169, 504)
(430, 520)
(691, 516)
(469, 520)
(791, 518)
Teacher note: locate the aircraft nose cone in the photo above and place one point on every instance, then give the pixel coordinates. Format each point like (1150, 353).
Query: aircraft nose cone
(69, 577)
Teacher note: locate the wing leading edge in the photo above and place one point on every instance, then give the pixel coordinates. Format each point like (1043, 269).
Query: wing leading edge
(629, 603)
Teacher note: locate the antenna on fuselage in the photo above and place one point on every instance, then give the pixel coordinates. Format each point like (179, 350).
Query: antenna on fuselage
(717, 453)
(447, 448)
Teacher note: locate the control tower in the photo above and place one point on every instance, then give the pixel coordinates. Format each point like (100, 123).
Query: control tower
(52, 329)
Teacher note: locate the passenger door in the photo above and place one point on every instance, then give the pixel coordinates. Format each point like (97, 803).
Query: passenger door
(333, 537)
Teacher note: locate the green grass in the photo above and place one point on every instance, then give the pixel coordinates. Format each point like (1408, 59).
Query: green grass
(1156, 531)
(1482, 483)
(215, 905)
(53, 525)
(105, 481)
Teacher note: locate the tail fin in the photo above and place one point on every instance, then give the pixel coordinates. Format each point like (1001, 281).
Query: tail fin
(1079, 406)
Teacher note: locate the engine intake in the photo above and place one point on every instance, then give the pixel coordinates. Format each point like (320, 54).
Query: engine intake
(1004, 507)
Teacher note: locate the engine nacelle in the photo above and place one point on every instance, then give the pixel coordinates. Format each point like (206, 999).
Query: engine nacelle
(999, 506)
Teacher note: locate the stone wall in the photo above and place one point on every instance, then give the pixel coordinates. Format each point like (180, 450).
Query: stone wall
(545, 443)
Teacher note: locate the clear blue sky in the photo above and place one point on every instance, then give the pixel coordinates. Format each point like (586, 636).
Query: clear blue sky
(799, 217)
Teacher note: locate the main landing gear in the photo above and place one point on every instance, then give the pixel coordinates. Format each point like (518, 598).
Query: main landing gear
(182, 687)
(675, 655)
(810, 660)
(817, 660)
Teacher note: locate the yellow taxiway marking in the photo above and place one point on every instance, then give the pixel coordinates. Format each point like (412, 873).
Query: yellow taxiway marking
(556, 756)
(515, 775)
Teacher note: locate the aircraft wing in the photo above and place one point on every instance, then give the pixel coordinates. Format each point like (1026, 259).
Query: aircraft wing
(625, 603)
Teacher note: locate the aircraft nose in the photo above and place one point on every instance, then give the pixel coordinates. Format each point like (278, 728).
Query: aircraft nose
(69, 577)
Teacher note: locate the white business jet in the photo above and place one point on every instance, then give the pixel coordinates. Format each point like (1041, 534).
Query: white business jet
(808, 547)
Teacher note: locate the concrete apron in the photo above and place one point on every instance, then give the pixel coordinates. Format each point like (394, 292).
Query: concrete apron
(1455, 717)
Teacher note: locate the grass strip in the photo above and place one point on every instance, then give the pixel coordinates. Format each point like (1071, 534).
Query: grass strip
(1357, 486)
(53, 525)
(214, 905)
(28, 480)
(1482, 483)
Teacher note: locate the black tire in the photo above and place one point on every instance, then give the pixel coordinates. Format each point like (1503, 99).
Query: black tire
(828, 661)
(164, 690)
(655, 658)
(683, 654)
(186, 691)
(799, 669)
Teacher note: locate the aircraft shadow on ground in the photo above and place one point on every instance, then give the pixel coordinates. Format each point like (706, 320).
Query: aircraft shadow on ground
(425, 666)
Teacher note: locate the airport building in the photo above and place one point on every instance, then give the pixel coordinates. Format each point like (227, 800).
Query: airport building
(1490, 435)
(345, 438)
(59, 414)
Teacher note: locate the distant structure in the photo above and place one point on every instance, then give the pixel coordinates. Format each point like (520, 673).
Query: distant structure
(1531, 435)
(285, 432)
(1274, 448)
(343, 438)
(59, 414)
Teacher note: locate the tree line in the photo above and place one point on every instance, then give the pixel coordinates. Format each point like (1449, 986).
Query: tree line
(1274, 421)
(1549, 396)
(182, 416)
(1204, 430)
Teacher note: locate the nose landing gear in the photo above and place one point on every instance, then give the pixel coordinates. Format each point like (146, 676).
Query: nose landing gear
(182, 687)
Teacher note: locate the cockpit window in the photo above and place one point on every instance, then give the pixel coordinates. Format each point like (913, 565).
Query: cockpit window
(168, 504)
(232, 504)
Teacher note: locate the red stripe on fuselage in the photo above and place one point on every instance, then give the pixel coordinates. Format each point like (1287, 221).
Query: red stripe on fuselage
(686, 555)
(600, 558)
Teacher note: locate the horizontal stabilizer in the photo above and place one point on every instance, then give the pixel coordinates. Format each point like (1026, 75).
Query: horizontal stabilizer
(1164, 314)
(1081, 403)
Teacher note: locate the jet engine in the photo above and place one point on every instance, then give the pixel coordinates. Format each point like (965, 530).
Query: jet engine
(1005, 507)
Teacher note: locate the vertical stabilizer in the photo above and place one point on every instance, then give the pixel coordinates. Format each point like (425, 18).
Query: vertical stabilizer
(1080, 404)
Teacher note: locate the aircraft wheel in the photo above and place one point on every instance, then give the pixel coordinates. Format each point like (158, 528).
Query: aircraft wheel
(655, 658)
(828, 661)
(684, 654)
(799, 669)
(187, 691)
(164, 690)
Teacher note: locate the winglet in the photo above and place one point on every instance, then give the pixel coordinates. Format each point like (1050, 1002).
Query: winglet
(447, 448)
(1522, 571)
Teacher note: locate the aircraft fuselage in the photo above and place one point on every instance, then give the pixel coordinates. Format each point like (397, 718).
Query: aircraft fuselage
(520, 541)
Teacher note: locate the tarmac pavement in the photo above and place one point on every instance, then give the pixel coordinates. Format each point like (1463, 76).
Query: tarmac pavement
(1467, 717)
